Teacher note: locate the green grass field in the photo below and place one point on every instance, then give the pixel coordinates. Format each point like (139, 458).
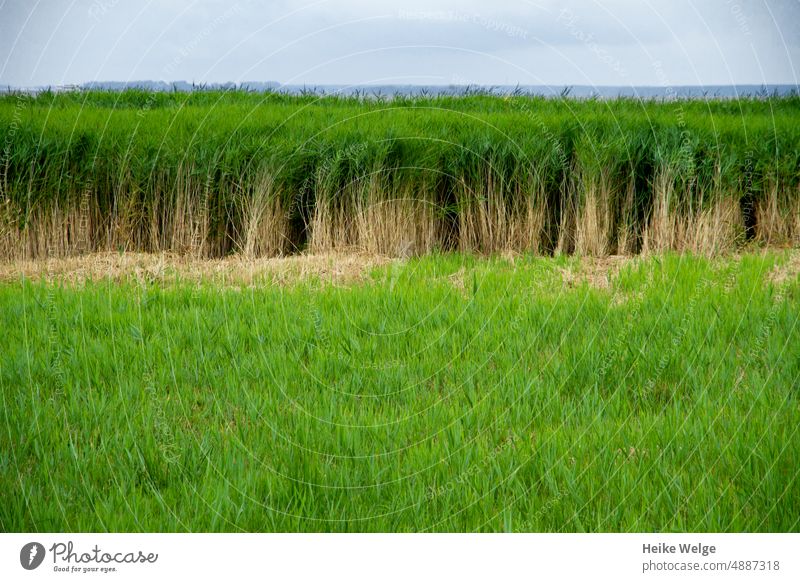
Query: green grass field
(442, 393)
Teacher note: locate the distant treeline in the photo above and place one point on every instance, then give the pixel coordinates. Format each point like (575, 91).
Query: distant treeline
(264, 174)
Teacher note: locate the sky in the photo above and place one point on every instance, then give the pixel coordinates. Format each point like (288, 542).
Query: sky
(438, 42)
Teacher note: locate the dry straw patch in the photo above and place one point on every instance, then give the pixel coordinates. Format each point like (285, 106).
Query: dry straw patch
(458, 281)
(339, 269)
(788, 271)
(598, 272)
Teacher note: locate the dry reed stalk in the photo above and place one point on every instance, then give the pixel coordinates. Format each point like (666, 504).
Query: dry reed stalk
(565, 243)
(528, 225)
(180, 220)
(659, 234)
(83, 243)
(321, 235)
(125, 226)
(705, 231)
(51, 232)
(177, 219)
(171, 222)
(369, 218)
(595, 217)
(11, 241)
(777, 223)
(400, 227)
(482, 219)
(61, 229)
(266, 221)
(712, 231)
(493, 220)
(333, 222)
(627, 229)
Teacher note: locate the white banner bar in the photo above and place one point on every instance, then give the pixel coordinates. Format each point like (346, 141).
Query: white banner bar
(388, 557)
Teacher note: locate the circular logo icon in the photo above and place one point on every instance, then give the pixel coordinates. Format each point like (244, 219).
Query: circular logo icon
(31, 555)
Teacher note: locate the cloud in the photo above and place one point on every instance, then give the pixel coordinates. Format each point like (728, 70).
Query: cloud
(355, 41)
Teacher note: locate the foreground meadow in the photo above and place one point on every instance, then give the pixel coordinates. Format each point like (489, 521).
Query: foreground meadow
(439, 393)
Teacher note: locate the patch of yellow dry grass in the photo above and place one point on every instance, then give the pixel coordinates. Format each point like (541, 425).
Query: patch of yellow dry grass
(335, 268)
(788, 271)
(598, 272)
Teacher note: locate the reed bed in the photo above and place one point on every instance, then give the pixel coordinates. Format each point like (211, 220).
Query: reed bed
(208, 174)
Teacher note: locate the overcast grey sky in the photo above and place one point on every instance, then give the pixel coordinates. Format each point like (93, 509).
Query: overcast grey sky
(610, 42)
